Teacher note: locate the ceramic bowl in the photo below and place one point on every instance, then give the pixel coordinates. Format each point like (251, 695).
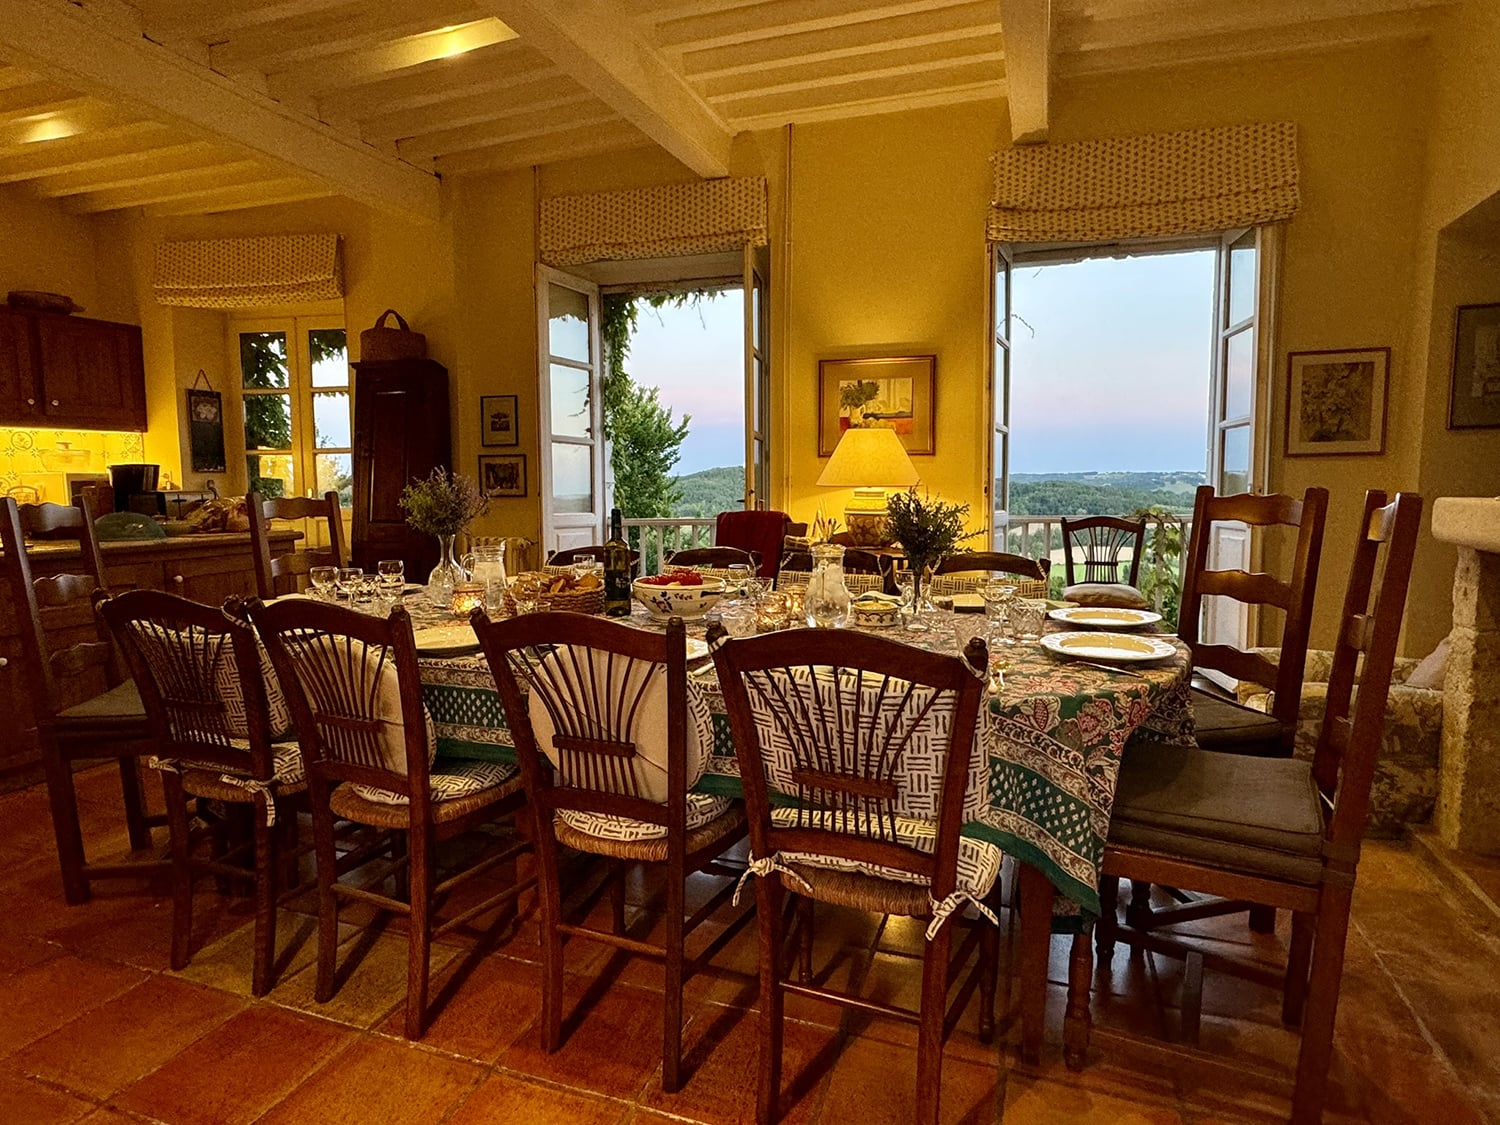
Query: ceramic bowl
(663, 602)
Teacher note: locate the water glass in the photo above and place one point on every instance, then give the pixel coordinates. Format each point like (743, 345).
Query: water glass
(773, 611)
(739, 619)
(348, 578)
(739, 579)
(392, 573)
(363, 593)
(323, 579)
(585, 564)
(1027, 617)
(997, 598)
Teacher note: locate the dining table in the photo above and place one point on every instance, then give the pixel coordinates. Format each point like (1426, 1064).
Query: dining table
(1052, 734)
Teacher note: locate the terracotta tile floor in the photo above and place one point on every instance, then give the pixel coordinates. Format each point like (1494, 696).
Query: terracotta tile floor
(95, 1029)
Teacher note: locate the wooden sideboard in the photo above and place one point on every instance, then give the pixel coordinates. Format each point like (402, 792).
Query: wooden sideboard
(206, 568)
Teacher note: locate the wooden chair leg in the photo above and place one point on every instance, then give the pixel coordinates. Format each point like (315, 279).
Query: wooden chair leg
(989, 971)
(805, 908)
(63, 802)
(1036, 946)
(1263, 919)
(549, 898)
(1104, 928)
(671, 1049)
(134, 795)
(772, 929)
(930, 1029)
(420, 875)
(265, 904)
(1138, 913)
(1315, 1057)
(1077, 1022)
(1299, 958)
(182, 868)
(617, 895)
(328, 903)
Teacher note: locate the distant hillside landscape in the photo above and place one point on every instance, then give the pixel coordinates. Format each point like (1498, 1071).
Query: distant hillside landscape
(710, 491)
(1101, 494)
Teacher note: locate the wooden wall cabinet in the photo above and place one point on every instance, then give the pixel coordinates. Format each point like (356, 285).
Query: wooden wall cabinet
(70, 372)
(401, 431)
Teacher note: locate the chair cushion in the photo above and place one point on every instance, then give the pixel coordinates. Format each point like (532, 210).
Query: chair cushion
(1433, 668)
(454, 780)
(649, 723)
(212, 662)
(1259, 816)
(958, 582)
(121, 702)
(795, 581)
(978, 860)
(1223, 725)
(701, 808)
(1117, 595)
(203, 779)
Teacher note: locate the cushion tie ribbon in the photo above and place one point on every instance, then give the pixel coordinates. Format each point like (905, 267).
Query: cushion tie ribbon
(763, 867)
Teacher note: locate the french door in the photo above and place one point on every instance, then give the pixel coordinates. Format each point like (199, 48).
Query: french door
(1233, 450)
(998, 485)
(757, 377)
(572, 446)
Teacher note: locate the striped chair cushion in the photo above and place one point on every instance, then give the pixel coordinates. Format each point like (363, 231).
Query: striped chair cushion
(795, 581)
(701, 808)
(946, 585)
(454, 780)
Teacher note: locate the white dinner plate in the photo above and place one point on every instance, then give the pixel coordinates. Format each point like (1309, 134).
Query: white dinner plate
(696, 650)
(1109, 648)
(1106, 617)
(446, 640)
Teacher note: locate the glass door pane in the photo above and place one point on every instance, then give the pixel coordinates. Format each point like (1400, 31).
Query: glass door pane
(572, 460)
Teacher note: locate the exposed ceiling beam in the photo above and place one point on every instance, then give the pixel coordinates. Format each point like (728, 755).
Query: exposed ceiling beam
(587, 140)
(520, 127)
(99, 148)
(184, 185)
(772, 118)
(594, 44)
(1026, 28)
(266, 193)
(149, 166)
(94, 54)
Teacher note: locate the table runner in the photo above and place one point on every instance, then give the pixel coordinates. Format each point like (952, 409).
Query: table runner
(1053, 736)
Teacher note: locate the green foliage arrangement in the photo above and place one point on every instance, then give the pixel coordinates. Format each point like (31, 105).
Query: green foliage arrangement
(928, 529)
(1161, 561)
(442, 504)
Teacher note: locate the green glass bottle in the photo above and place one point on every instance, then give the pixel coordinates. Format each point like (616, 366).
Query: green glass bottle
(616, 569)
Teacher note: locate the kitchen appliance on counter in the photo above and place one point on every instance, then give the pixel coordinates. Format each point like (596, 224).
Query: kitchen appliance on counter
(135, 489)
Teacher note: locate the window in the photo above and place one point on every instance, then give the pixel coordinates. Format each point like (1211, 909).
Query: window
(294, 380)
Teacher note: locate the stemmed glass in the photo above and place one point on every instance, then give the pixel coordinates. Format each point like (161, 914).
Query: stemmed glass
(323, 579)
(739, 579)
(348, 579)
(391, 575)
(907, 590)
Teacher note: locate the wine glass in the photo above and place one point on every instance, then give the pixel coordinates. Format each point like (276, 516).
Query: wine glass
(584, 564)
(348, 578)
(391, 573)
(906, 589)
(322, 579)
(739, 578)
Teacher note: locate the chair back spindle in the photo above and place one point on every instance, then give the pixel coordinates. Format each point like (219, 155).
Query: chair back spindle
(281, 575)
(1100, 541)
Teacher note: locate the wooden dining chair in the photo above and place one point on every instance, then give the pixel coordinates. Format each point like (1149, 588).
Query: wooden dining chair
(83, 705)
(567, 556)
(367, 745)
(1220, 723)
(966, 571)
(716, 558)
(1282, 832)
(279, 575)
(859, 769)
(1093, 546)
(222, 734)
(856, 561)
(611, 739)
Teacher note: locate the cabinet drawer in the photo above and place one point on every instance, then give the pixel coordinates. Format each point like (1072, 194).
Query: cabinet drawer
(211, 579)
(20, 750)
(133, 576)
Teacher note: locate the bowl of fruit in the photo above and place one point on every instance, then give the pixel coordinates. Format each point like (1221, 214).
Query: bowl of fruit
(678, 593)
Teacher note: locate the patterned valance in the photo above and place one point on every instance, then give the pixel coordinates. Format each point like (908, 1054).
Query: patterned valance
(1156, 186)
(248, 273)
(699, 217)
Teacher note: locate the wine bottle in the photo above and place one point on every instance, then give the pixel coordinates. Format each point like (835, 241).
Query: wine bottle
(616, 569)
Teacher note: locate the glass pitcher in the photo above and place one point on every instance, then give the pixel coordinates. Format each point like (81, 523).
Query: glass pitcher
(826, 601)
(486, 565)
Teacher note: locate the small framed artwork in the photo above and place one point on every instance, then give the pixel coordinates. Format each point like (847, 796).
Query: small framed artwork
(502, 475)
(895, 393)
(1474, 397)
(1336, 402)
(498, 424)
(205, 410)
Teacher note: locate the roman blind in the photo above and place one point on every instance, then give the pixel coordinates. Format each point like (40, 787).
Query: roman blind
(1154, 186)
(698, 217)
(247, 273)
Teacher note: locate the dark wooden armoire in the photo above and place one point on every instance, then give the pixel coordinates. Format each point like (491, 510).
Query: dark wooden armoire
(401, 431)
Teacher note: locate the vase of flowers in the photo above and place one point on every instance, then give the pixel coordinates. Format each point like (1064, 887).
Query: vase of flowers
(442, 505)
(928, 530)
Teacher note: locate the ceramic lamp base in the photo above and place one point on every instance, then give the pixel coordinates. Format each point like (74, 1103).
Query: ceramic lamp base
(866, 528)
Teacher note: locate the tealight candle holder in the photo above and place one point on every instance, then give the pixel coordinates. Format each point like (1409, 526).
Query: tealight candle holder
(467, 597)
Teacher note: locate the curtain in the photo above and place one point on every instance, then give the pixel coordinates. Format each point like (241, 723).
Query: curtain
(247, 273)
(698, 217)
(1154, 186)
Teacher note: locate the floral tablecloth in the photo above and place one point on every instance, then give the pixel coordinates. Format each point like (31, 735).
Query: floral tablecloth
(1054, 735)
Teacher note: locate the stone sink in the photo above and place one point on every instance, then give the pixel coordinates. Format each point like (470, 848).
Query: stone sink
(1469, 521)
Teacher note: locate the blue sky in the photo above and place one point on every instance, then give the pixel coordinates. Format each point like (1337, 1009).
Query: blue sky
(1110, 368)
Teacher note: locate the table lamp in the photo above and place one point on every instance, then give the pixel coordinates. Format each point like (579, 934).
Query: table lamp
(868, 460)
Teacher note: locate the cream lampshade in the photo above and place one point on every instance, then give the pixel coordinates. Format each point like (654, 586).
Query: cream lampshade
(868, 460)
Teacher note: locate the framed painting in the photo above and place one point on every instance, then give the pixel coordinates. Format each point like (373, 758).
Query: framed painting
(895, 393)
(1474, 396)
(498, 424)
(502, 475)
(1336, 402)
(205, 409)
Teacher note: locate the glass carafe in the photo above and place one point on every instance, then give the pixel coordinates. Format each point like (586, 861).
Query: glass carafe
(826, 601)
(486, 563)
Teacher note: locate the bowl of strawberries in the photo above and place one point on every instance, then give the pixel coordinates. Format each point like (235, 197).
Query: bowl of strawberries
(680, 592)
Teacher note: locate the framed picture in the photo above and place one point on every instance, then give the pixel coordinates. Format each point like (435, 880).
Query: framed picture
(205, 430)
(498, 424)
(502, 475)
(1336, 402)
(894, 393)
(1474, 397)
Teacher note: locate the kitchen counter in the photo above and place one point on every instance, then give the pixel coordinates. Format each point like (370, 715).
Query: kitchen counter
(133, 549)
